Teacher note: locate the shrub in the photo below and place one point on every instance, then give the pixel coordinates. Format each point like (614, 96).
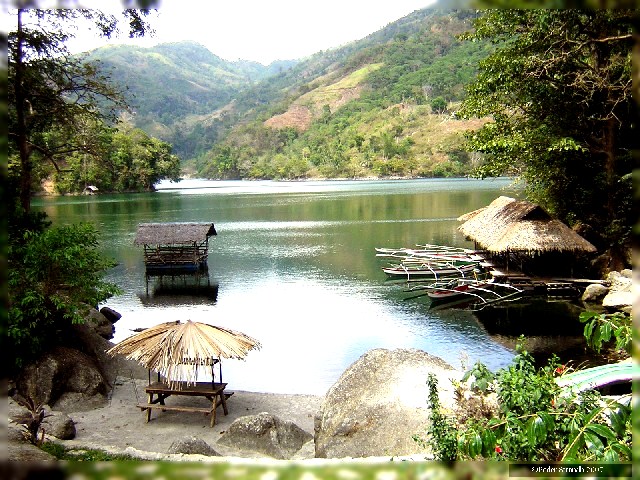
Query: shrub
(536, 419)
(52, 276)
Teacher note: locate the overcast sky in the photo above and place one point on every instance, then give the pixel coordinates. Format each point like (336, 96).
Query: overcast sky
(259, 30)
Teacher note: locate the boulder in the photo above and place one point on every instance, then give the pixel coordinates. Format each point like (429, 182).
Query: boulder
(620, 295)
(110, 314)
(618, 300)
(379, 403)
(58, 424)
(61, 370)
(100, 324)
(192, 445)
(594, 292)
(620, 281)
(22, 455)
(266, 434)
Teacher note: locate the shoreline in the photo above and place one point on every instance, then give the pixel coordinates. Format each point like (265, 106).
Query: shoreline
(48, 190)
(121, 427)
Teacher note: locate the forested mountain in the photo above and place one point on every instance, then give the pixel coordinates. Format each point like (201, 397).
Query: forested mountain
(380, 106)
(359, 110)
(178, 89)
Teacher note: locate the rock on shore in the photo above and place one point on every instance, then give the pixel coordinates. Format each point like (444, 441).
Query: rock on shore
(618, 296)
(379, 403)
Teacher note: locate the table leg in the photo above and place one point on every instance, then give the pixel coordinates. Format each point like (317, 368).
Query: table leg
(214, 407)
(149, 408)
(223, 399)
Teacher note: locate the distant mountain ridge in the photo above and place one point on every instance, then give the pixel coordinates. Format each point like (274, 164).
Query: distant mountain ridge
(222, 117)
(168, 83)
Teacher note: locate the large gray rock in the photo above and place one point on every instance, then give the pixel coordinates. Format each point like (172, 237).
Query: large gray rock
(620, 281)
(618, 300)
(620, 296)
(21, 453)
(379, 403)
(266, 434)
(100, 324)
(594, 292)
(192, 445)
(58, 424)
(58, 371)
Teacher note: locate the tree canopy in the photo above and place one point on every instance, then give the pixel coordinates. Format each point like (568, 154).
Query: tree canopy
(558, 92)
(52, 93)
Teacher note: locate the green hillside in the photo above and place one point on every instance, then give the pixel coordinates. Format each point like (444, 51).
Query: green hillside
(378, 106)
(179, 90)
(381, 106)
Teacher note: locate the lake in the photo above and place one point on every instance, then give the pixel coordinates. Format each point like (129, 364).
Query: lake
(294, 266)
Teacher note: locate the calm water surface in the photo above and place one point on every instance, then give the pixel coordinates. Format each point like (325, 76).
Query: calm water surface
(294, 266)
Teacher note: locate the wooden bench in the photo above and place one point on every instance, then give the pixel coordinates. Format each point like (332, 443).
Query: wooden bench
(213, 392)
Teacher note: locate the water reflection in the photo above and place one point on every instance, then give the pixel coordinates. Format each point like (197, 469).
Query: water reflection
(294, 266)
(188, 288)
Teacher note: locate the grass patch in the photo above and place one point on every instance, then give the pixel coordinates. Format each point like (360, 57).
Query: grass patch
(81, 455)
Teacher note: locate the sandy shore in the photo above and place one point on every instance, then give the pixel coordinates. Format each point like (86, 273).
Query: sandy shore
(120, 424)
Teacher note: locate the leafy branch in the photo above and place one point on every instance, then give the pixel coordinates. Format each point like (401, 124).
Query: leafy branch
(601, 327)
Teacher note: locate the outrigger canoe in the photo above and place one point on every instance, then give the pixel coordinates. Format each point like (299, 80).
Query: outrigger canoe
(434, 270)
(474, 289)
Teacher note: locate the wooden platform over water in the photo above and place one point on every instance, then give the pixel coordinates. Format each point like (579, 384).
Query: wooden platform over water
(560, 287)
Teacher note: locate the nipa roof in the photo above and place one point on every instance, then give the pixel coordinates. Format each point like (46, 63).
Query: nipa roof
(178, 350)
(173, 233)
(507, 224)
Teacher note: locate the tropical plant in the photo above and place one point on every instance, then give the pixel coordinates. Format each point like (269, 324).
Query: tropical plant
(32, 419)
(537, 420)
(601, 328)
(52, 276)
(442, 433)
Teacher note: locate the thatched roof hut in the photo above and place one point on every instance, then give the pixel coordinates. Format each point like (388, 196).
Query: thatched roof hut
(173, 233)
(510, 225)
(175, 245)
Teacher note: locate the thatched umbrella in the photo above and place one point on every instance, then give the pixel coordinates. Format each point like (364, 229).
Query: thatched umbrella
(177, 350)
(510, 225)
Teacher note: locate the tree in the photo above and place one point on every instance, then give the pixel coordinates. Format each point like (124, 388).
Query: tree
(558, 89)
(53, 276)
(438, 105)
(50, 90)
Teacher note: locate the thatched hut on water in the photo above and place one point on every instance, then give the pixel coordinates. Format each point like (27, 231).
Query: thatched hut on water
(511, 228)
(175, 246)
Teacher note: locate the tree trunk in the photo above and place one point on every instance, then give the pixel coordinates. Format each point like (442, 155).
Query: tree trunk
(21, 128)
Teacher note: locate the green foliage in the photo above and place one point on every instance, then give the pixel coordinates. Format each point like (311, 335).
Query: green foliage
(482, 377)
(82, 455)
(52, 276)
(126, 159)
(442, 433)
(558, 91)
(601, 328)
(538, 421)
(52, 96)
(438, 105)
(364, 105)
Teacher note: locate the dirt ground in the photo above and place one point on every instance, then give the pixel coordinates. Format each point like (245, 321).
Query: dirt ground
(120, 424)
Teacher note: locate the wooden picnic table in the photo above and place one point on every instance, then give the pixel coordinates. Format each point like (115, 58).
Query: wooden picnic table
(214, 392)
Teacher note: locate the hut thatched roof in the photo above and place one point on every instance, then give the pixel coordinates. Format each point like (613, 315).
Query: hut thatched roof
(178, 350)
(173, 233)
(507, 224)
